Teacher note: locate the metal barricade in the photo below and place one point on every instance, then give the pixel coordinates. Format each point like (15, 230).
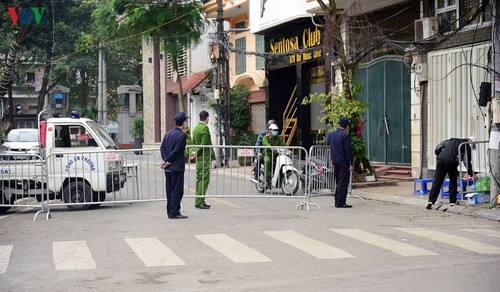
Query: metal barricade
(318, 175)
(239, 176)
(480, 166)
(22, 178)
(81, 180)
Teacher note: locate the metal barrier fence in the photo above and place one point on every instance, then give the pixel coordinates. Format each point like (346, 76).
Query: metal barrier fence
(318, 175)
(242, 176)
(21, 178)
(86, 179)
(481, 168)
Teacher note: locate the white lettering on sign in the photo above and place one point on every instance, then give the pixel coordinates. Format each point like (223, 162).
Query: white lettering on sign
(245, 152)
(111, 157)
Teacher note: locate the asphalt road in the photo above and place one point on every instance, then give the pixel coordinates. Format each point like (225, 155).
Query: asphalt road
(249, 245)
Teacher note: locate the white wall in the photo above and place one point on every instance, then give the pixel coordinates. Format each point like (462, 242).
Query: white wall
(276, 12)
(199, 54)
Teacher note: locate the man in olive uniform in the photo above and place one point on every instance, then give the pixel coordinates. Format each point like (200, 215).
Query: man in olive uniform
(271, 139)
(204, 158)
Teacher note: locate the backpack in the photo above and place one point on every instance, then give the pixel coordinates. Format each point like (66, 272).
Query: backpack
(441, 146)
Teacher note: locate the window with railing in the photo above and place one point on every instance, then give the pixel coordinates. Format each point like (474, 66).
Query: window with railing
(453, 13)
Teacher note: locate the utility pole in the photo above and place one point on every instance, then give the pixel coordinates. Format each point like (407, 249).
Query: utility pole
(494, 152)
(224, 108)
(102, 116)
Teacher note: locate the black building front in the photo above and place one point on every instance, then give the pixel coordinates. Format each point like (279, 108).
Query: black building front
(295, 69)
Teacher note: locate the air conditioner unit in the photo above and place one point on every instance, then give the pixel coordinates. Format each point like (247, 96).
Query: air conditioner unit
(425, 28)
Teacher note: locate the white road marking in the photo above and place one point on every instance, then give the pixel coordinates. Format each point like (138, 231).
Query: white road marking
(5, 251)
(72, 255)
(484, 231)
(400, 248)
(232, 249)
(311, 246)
(461, 242)
(153, 253)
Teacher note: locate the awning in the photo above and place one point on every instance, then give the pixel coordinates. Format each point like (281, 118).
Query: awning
(192, 82)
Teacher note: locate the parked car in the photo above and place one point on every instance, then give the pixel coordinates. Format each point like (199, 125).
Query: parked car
(20, 141)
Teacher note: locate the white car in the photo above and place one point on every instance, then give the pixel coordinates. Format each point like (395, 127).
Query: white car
(20, 141)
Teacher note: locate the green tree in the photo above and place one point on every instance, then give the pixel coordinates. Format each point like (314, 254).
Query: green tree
(175, 24)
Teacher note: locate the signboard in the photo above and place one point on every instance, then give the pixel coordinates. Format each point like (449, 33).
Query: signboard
(299, 47)
(245, 152)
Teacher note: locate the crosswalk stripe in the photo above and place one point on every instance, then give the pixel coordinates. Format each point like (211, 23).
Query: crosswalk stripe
(311, 246)
(461, 242)
(153, 253)
(484, 231)
(5, 251)
(232, 249)
(72, 255)
(400, 248)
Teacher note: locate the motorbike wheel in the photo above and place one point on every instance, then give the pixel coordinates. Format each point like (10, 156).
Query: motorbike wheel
(290, 183)
(261, 185)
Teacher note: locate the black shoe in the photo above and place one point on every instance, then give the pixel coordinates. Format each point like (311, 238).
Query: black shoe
(203, 206)
(429, 206)
(343, 206)
(180, 216)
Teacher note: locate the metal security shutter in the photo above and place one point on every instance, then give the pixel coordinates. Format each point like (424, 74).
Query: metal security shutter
(258, 112)
(453, 88)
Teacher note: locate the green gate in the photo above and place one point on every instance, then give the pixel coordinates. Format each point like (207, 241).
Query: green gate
(386, 88)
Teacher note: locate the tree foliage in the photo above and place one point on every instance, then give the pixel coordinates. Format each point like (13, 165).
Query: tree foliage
(175, 24)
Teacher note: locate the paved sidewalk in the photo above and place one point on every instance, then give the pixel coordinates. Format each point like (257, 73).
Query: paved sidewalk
(402, 193)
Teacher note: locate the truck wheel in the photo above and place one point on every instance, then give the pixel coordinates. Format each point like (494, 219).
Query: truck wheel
(3, 200)
(77, 192)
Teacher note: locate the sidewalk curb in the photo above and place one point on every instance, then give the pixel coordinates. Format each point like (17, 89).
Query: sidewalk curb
(478, 212)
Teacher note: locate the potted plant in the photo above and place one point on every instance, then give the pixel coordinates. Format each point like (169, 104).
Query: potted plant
(137, 131)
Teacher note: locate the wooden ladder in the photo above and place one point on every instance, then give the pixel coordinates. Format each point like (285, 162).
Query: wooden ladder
(290, 122)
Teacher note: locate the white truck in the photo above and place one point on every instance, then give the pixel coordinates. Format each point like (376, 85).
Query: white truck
(77, 164)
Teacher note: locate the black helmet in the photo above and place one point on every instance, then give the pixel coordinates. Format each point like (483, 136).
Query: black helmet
(270, 122)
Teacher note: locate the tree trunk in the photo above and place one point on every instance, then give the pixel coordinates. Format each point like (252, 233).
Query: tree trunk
(7, 74)
(46, 72)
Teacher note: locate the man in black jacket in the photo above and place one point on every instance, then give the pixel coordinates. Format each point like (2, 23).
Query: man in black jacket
(172, 153)
(342, 160)
(447, 163)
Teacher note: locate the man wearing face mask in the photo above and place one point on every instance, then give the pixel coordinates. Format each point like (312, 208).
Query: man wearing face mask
(271, 139)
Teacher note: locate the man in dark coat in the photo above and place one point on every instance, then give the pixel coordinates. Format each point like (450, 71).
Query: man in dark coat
(172, 153)
(342, 159)
(447, 163)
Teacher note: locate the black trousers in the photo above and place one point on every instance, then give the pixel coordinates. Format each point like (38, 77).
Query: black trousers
(342, 178)
(174, 188)
(444, 167)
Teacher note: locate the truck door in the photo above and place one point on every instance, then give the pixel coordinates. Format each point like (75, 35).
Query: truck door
(71, 158)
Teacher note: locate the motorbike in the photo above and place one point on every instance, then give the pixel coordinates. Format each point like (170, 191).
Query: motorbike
(319, 174)
(284, 174)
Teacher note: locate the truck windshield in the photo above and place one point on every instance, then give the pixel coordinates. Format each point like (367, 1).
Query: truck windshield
(102, 135)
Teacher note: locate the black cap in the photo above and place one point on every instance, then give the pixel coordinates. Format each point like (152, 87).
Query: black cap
(180, 117)
(344, 122)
